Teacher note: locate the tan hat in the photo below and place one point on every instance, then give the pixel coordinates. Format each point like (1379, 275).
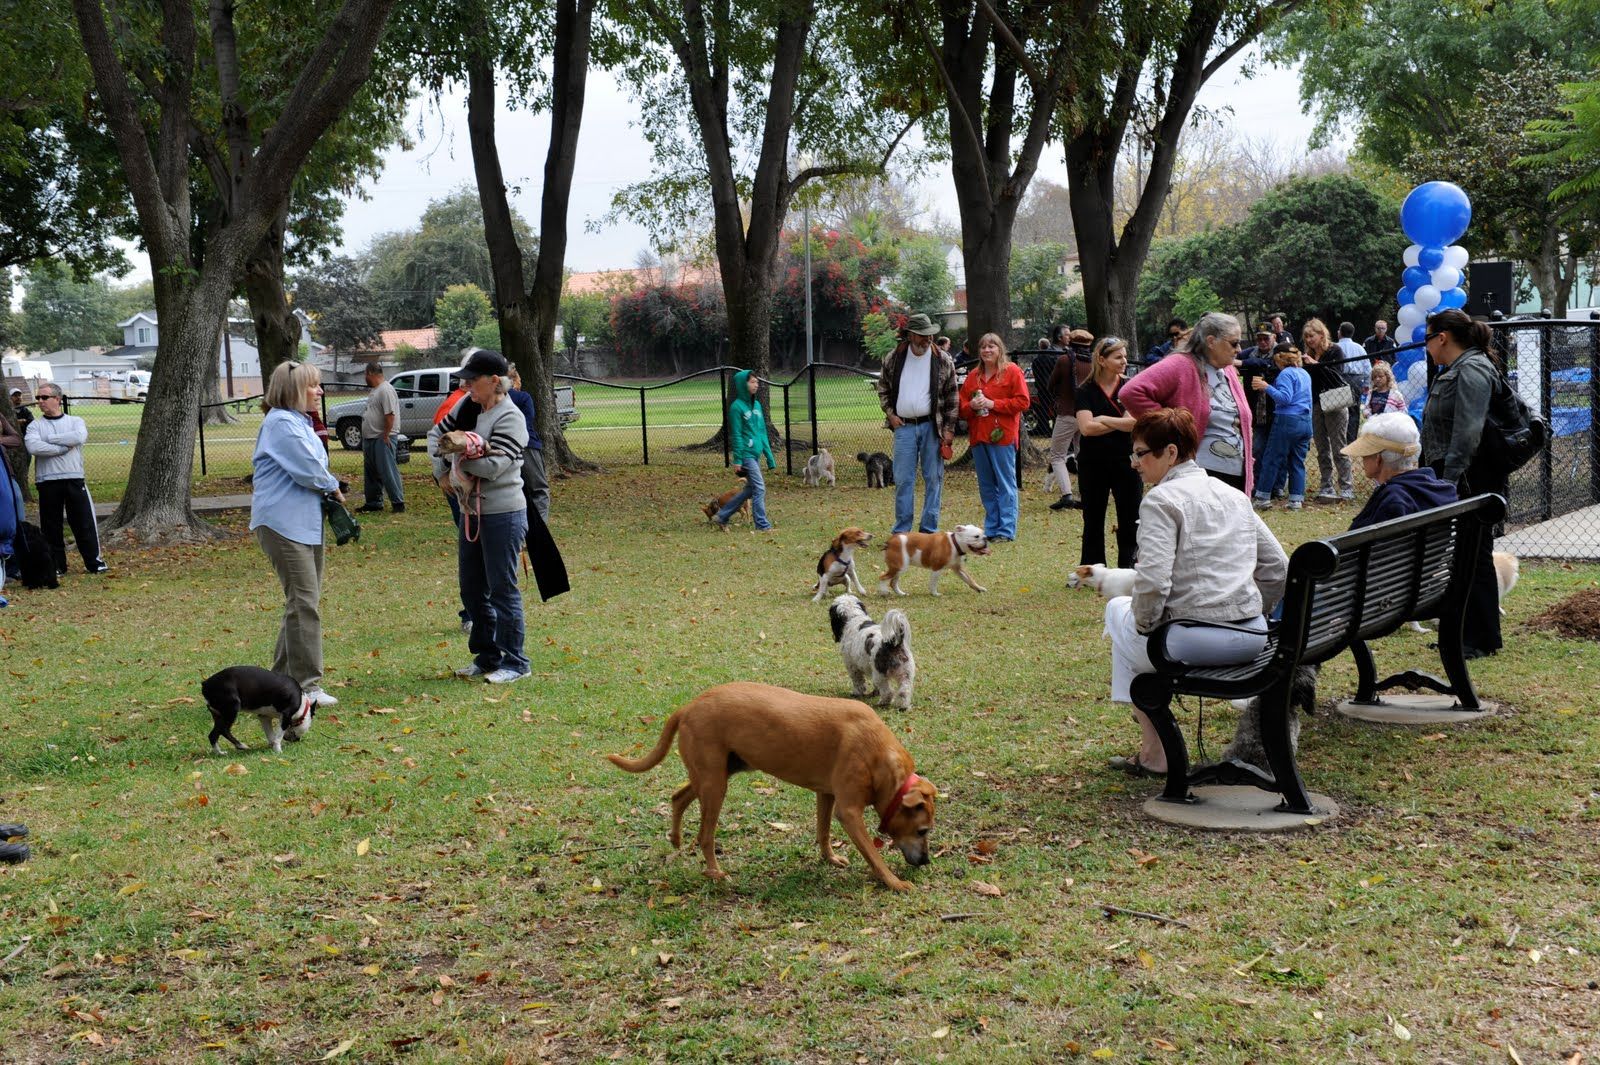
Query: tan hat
(1371, 443)
(1080, 336)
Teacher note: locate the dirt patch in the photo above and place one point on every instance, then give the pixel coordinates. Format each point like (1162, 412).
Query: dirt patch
(1577, 616)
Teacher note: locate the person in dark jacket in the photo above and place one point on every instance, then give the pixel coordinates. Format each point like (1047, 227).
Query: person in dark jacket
(1388, 447)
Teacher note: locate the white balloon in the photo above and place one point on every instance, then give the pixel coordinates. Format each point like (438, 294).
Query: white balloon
(1410, 317)
(1455, 255)
(1411, 254)
(1446, 277)
(1427, 298)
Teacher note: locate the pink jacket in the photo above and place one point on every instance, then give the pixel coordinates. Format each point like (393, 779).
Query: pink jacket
(1178, 381)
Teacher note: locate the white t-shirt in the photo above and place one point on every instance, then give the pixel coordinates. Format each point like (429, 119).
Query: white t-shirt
(1222, 445)
(916, 390)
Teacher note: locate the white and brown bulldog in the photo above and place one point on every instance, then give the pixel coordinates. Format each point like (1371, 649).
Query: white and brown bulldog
(936, 551)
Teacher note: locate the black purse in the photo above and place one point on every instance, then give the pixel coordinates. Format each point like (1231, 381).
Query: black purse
(344, 524)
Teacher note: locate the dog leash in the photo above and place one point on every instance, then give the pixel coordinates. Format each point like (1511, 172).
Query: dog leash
(472, 526)
(894, 808)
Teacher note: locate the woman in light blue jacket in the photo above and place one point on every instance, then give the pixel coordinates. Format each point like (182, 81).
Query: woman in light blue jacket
(1284, 457)
(291, 477)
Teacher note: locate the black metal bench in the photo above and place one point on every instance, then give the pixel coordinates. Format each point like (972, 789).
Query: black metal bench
(1341, 592)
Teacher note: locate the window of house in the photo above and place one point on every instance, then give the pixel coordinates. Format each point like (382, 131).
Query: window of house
(144, 336)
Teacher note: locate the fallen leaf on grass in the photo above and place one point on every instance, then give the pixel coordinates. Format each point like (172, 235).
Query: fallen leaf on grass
(341, 1048)
(1162, 1044)
(987, 846)
(234, 769)
(131, 889)
(781, 826)
(1401, 1032)
(1144, 860)
(526, 1006)
(363, 847)
(671, 1003)
(941, 1033)
(1512, 1055)
(1148, 960)
(663, 959)
(987, 890)
(372, 970)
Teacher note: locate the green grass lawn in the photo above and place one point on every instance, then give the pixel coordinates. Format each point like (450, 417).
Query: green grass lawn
(446, 871)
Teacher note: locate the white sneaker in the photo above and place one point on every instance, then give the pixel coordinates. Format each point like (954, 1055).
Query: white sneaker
(322, 698)
(473, 670)
(504, 676)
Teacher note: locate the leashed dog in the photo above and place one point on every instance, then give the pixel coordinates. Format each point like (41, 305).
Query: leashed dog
(1246, 746)
(838, 563)
(462, 444)
(1109, 582)
(879, 653)
(838, 748)
(935, 551)
(285, 711)
(819, 468)
(711, 508)
(880, 469)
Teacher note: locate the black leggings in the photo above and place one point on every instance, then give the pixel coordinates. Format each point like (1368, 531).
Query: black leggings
(69, 498)
(1098, 481)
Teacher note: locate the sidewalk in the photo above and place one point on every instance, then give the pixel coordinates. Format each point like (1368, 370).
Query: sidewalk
(201, 505)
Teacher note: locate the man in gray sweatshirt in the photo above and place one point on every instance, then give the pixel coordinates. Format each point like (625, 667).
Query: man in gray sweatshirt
(55, 440)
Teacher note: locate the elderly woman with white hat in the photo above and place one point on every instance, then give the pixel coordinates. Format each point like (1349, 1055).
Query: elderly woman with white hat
(1389, 447)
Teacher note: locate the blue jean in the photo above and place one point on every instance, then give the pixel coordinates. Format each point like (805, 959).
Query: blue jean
(379, 472)
(755, 490)
(997, 487)
(917, 447)
(1285, 457)
(487, 571)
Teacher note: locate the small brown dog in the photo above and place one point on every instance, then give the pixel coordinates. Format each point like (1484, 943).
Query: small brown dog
(838, 563)
(935, 551)
(838, 748)
(721, 501)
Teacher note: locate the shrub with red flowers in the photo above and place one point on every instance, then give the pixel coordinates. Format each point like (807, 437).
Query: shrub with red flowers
(670, 330)
(846, 286)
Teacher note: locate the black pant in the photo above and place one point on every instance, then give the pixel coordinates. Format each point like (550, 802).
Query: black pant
(1232, 480)
(69, 498)
(1098, 480)
(1480, 628)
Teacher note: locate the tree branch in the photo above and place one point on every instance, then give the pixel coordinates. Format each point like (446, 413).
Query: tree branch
(1279, 8)
(952, 94)
(235, 123)
(1004, 35)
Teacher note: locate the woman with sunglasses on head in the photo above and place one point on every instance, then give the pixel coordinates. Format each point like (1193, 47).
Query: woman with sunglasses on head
(1204, 557)
(1328, 427)
(992, 400)
(1104, 450)
(1452, 437)
(1202, 380)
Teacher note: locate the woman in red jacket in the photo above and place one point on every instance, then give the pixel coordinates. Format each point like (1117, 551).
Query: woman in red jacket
(993, 397)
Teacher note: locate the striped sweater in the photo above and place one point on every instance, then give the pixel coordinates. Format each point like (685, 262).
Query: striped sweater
(505, 434)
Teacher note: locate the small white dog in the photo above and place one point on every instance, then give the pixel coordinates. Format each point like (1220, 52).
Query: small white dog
(1110, 583)
(819, 468)
(1507, 568)
(881, 653)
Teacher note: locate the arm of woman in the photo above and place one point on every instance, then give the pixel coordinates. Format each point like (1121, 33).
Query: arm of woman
(1013, 398)
(1160, 533)
(300, 455)
(505, 438)
(1474, 390)
(1272, 565)
(1147, 390)
(969, 388)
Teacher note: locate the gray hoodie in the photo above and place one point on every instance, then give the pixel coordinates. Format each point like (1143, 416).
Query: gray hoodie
(57, 446)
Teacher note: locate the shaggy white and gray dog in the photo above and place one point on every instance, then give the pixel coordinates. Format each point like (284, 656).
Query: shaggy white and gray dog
(879, 653)
(1247, 746)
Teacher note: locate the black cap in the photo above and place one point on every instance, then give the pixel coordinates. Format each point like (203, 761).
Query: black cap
(484, 363)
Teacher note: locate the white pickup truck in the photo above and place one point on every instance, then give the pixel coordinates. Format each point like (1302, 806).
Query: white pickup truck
(421, 392)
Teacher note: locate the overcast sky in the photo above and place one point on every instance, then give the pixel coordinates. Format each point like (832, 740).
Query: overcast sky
(613, 153)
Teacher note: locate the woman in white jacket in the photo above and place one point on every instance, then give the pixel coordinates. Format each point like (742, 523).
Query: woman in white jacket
(1204, 556)
(55, 440)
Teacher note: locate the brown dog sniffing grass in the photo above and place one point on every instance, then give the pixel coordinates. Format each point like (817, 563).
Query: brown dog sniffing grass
(838, 748)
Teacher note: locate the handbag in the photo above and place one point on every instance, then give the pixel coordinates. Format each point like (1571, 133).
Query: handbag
(1336, 399)
(344, 524)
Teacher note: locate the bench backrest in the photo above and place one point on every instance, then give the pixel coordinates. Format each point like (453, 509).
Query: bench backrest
(1366, 583)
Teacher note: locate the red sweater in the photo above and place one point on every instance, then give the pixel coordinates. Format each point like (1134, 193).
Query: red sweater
(1009, 391)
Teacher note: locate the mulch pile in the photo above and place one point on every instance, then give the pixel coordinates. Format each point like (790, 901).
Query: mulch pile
(1577, 616)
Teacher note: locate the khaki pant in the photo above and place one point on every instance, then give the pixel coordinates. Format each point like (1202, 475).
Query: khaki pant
(299, 569)
(1063, 442)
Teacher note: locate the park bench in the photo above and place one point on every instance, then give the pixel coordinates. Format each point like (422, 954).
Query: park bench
(1342, 592)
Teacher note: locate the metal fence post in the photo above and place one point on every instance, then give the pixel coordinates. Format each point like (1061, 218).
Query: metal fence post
(1594, 412)
(202, 423)
(644, 428)
(727, 427)
(788, 452)
(811, 399)
(1546, 455)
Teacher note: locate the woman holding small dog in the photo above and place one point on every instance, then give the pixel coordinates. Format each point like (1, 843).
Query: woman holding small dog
(494, 516)
(992, 400)
(1204, 557)
(290, 478)
(1104, 451)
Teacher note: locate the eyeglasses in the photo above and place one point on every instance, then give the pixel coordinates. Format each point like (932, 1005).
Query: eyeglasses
(1430, 336)
(1141, 452)
(1174, 336)
(1235, 343)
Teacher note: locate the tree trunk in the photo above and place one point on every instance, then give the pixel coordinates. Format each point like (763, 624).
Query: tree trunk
(988, 265)
(277, 329)
(212, 412)
(155, 508)
(574, 23)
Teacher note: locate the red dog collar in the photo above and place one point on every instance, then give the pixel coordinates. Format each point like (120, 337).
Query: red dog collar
(894, 806)
(303, 713)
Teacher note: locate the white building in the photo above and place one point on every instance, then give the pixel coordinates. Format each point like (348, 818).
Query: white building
(141, 333)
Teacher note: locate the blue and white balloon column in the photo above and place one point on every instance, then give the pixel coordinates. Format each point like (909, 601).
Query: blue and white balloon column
(1434, 216)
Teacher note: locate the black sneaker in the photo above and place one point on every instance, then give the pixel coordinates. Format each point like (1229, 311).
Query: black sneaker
(370, 508)
(12, 831)
(1066, 503)
(13, 853)
(399, 508)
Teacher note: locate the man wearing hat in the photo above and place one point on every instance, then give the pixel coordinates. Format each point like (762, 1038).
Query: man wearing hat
(1071, 371)
(1388, 447)
(917, 391)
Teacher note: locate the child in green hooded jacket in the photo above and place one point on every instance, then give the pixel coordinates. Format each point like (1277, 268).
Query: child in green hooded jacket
(747, 428)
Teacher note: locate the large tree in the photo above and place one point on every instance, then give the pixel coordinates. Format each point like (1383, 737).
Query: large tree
(1138, 69)
(768, 85)
(147, 83)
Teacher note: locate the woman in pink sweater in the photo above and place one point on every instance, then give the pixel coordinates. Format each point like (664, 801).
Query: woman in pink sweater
(1203, 381)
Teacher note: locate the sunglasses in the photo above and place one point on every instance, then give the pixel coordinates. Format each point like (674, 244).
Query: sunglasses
(1141, 452)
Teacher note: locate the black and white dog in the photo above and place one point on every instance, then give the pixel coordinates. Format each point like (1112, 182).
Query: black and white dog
(880, 469)
(285, 711)
(1246, 746)
(881, 653)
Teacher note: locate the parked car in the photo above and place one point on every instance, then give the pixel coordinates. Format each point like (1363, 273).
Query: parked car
(421, 392)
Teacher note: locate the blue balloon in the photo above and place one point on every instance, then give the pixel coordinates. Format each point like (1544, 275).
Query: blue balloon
(1420, 333)
(1452, 297)
(1430, 259)
(1405, 296)
(1435, 213)
(1414, 278)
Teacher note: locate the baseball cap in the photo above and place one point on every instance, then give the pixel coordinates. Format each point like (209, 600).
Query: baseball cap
(484, 363)
(1371, 443)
